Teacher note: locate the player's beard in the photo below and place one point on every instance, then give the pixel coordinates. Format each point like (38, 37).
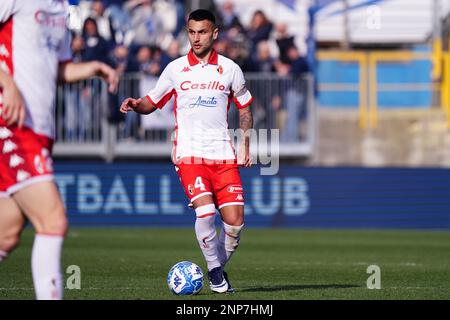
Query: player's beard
(203, 51)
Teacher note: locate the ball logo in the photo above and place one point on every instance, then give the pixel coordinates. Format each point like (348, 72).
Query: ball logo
(235, 189)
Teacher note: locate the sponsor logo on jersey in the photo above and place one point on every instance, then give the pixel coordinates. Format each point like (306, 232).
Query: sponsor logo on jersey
(204, 102)
(212, 85)
(50, 19)
(235, 189)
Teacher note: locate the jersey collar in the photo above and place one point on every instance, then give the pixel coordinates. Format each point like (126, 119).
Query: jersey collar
(213, 58)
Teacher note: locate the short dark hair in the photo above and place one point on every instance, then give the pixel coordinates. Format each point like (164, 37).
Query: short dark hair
(202, 14)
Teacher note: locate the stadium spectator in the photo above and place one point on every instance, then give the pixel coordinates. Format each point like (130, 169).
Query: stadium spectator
(147, 24)
(104, 22)
(263, 62)
(95, 47)
(259, 30)
(39, 55)
(75, 108)
(172, 53)
(284, 41)
(126, 67)
(295, 99)
(230, 24)
(204, 159)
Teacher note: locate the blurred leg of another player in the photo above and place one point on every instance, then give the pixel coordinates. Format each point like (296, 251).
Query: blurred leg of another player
(41, 204)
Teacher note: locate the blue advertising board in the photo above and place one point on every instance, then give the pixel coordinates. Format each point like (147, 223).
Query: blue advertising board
(142, 194)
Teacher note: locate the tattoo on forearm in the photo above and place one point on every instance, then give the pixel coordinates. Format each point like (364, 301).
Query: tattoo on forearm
(246, 121)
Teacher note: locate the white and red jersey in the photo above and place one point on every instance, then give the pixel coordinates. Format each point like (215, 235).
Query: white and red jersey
(203, 93)
(34, 39)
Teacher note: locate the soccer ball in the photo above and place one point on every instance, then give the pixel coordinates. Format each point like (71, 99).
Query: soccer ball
(185, 278)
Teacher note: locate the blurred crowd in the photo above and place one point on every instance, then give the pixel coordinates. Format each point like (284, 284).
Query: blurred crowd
(143, 36)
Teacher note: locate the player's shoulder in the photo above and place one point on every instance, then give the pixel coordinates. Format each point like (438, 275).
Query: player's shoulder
(227, 62)
(181, 61)
(176, 65)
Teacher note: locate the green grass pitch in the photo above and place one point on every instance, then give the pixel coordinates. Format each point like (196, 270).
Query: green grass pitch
(132, 263)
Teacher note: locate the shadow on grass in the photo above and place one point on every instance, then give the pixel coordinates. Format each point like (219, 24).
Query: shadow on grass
(298, 287)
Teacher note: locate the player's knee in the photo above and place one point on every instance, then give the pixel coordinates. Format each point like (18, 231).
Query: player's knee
(53, 221)
(57, 225)
(8, 242)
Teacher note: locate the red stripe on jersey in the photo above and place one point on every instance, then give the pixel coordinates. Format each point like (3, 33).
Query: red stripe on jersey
(161, 103)
(175, 104)
(240, 106)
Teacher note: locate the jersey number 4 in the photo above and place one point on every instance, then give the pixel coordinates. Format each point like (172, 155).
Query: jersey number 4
(199, 184)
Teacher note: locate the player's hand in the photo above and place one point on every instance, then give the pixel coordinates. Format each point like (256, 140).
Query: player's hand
(13, 111)
(244, 158)
(130, 104)
(111, 76)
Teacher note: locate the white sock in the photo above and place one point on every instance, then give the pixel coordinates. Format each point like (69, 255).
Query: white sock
(205, 231)
(46, 267)
(3, 255)
(228, 241)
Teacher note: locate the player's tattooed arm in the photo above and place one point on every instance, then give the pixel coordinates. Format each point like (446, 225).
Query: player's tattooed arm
(13, 111)
(141, 105)
(245, 124)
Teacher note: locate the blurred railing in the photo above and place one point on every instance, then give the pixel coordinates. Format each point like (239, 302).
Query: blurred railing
(89, 124)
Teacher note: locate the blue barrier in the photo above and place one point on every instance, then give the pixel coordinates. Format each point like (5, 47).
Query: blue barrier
(151, 195)
(390, 74)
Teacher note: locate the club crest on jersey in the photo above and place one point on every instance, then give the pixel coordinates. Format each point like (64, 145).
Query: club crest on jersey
(191, 189)
(220, 69)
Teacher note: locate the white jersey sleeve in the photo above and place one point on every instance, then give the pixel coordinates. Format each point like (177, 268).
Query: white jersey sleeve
(163, 90)
(65, 51)
(242, 97)
(7, 9)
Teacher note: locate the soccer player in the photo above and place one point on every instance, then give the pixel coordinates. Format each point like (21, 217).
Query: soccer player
(34, 54)
(203, 84)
